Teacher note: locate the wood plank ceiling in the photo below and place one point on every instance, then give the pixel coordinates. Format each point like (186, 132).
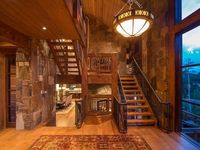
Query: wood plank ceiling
(103, 9)
(29, 16)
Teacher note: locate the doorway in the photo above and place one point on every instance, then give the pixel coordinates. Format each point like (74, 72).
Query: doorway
(10, 90)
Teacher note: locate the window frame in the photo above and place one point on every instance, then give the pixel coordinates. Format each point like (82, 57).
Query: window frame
(180, 26)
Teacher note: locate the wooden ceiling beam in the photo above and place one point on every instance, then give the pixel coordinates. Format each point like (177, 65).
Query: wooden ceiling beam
(8, 34)
(68, 79)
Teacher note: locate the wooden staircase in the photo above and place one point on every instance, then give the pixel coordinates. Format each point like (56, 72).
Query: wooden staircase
(138, 109)
(65, 54)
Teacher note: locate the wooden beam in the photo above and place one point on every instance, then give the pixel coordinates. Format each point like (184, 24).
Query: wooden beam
(171, 62)
(8, 50)
(68, 79)
(10, 35)
(188, 22)
(100, 79)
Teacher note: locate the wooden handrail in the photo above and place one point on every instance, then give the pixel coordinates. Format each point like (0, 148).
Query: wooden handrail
(162, 110)
(120, 82)
(144, 76)
(121, 103)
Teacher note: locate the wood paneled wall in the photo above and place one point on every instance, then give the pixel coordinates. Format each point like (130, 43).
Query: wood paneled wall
(2, 92)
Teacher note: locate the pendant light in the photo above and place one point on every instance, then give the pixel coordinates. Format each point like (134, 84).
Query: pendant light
(132, 22)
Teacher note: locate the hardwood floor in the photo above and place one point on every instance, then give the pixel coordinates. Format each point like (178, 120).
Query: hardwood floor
(10, 139)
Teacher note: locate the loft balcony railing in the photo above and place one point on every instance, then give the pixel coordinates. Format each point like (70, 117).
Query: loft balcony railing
(162, 110)
(100, 63)
(76, 10)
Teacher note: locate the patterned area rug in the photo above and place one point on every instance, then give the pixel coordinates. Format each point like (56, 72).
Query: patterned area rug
(90, 142)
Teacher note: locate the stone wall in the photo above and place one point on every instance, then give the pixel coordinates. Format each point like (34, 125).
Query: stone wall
(155, 49)
(35, 85)
(103, 40)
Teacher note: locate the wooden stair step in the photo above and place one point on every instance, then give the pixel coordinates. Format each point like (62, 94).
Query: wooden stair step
(139, 114)
(135, 101)
(126, 75)
(71, 61)
(127, 79)
(130, 86)
(61, 43)
(130, 90)
(137, 107)
(74, 67)
(129, 82)
(71, 57)
(141, 121)
(134, 95)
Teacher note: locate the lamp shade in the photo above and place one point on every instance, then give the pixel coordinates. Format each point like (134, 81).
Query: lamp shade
(133, 23)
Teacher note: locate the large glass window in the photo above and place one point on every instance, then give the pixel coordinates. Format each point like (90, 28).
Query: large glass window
(190, 73)
(189, 6)
(191, 47)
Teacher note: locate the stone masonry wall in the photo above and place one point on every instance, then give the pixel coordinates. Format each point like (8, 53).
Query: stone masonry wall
(103, 40)
(35, 86)
(155, 49)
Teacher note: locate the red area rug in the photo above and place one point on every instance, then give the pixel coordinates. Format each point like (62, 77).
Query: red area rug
(90, 142)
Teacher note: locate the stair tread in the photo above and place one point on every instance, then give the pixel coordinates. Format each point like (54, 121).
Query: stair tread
(130, 82)
(135, 101)
(139, 113)
(132, 95)
(127, 86)
(127, 79)
(72, 67)
(141, 121)
(131, 90)
(136, 107)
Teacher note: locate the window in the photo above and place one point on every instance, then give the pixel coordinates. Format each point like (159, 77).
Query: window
(191, 47)
(189, 6)
(188, 69)
(190, 75)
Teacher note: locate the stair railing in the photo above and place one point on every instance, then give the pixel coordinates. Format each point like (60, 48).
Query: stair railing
(120, 109)
(79, 112)
(162, 110)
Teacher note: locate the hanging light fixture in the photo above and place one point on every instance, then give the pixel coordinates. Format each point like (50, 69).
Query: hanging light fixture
(132, 22)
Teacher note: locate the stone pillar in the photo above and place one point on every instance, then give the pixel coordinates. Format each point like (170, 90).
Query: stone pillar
(35, 86)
